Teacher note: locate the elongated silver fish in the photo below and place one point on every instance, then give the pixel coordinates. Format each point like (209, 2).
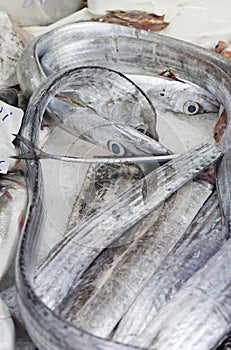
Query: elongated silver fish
(13, 205)
(102, 96)
(185, 324)
(164, 93)
(112, 222)
(7, 332)
(37, 153)
(111, 290)
(110, 96)
(112, 52)
(137, 56)
(89, 45)
(203, 238)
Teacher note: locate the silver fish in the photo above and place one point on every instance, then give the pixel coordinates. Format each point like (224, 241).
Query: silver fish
(112, 288)
(202, 240)
(102, 96)
(13, 206)
(137, 56)
(7, 331)
(198, 316)
(37, 153)
(119, 50)
(178, 96)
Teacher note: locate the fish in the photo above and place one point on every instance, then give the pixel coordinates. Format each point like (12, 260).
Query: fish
(111, 287)
(7, 331)
(117, 48)
(37, 153)
(198, 315)
(186, 97)
(176, 95)
(13, 206)
(203, 238)
(102, 183)
(141, 52)
(64, 255)
(94, 122)
(107, 95)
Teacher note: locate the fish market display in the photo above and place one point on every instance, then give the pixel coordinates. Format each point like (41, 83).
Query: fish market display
(111, 289)
(165, 94)
(129, 52)
(110, 258)
(202, 305)
(203, 238)
(170, 176)
(13, 205)
(7, 332)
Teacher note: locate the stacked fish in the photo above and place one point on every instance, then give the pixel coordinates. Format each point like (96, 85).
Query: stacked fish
(145, 259)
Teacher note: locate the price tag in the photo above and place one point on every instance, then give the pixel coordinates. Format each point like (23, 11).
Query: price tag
(10, 122)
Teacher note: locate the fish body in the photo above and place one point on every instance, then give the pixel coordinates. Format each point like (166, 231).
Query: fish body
(198, 316)
(203, 238)
(7, 331)
(111, 222)
(111, 290)
(13, 205)
(175, 96)
(100, 96)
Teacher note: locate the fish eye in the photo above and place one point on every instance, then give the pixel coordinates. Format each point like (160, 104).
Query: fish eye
(141, 128)
(191, 108)
(116, 148)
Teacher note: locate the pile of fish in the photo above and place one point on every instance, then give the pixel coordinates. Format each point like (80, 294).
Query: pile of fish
(144, 260)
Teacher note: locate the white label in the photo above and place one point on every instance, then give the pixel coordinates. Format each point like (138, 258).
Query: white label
(10, 122)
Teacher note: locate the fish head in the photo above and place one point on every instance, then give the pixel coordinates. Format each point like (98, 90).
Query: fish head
(194, 100)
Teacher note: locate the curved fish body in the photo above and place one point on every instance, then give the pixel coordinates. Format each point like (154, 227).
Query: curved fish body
(111, 287)
(101, 96)
(119, 50)
(7, 331)
(151, 53)
(199, 315)
(176, 94)
(202, 240)
(13, 204)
